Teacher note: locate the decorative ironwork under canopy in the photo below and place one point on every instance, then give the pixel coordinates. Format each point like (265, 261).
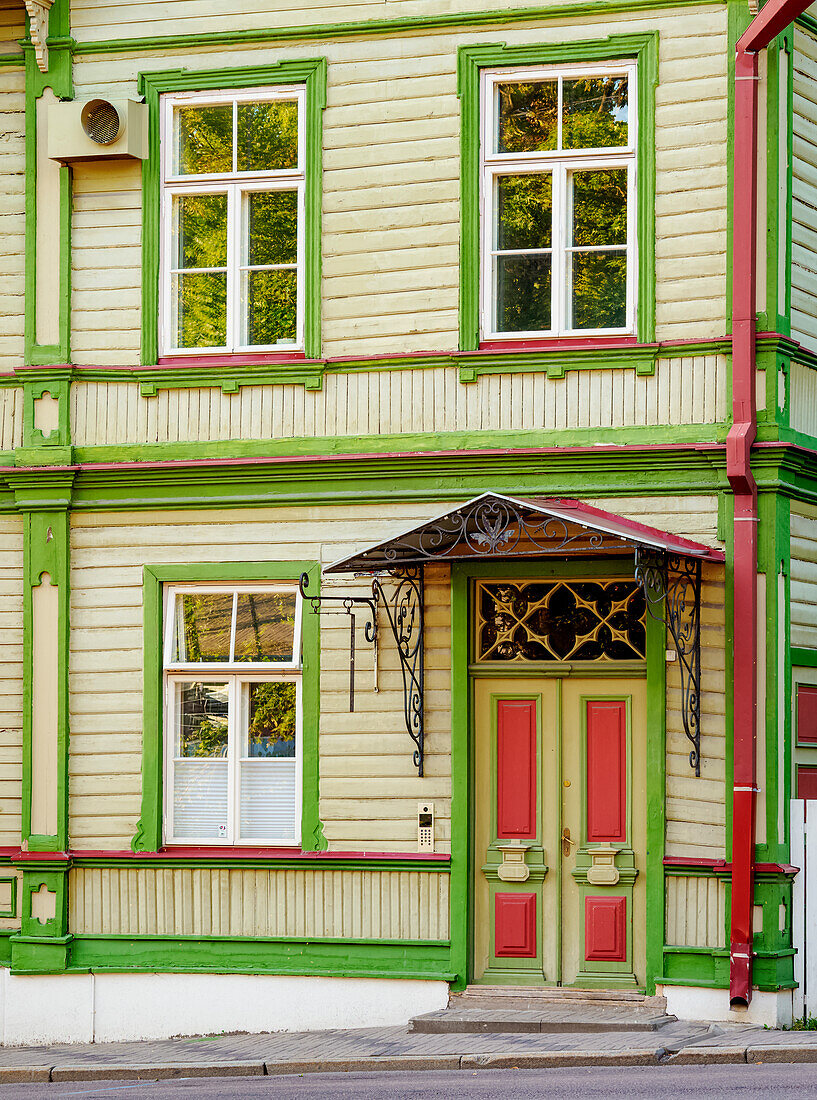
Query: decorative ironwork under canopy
(500, 527)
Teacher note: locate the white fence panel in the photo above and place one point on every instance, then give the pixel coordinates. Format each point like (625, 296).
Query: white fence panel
(798, 902)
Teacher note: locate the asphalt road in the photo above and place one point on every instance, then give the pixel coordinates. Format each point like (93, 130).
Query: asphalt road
(676, 1082)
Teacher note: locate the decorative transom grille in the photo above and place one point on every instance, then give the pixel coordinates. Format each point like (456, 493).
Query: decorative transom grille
(560, 621)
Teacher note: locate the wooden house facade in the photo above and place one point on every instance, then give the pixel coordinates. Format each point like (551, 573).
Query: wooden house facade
(408, 532)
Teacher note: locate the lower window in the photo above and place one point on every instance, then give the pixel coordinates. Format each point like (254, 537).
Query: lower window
(233, 727)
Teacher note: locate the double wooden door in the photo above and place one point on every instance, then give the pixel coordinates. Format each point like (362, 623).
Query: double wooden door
(560, 831)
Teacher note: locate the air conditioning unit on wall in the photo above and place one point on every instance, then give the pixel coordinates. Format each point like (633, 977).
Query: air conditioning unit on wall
(97, 128)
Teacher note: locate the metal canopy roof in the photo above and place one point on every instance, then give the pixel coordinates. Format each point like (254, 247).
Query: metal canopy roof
(497, 526)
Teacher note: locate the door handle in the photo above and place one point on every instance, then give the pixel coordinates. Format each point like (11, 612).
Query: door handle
(566, 842)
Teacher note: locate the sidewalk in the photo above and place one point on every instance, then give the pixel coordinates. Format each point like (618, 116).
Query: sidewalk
(396, 1048)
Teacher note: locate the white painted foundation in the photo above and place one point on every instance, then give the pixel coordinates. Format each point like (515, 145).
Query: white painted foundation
(692, 1003)
(104, 1008)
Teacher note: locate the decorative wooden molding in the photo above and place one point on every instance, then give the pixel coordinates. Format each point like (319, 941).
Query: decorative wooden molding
(38, 30)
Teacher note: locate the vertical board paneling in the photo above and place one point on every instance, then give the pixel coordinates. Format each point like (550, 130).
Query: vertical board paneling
(261, 902)
(11, 677)
(696, 911)
(385, 402)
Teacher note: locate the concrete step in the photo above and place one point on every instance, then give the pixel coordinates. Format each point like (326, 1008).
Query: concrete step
(523, 1009)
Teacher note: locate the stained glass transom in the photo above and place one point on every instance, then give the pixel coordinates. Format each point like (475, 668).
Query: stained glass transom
(560, 621)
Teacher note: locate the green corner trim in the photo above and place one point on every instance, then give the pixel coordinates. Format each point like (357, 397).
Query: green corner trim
(643, 49)
(310, 73)
(149, 832)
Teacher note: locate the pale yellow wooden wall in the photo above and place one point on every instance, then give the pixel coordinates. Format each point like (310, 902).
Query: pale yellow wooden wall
(369, 786)
(11, 677)
(368, 904)
(803, 575)
(11, 417)
(12, 199)
(12, 25)
(696, 911)
(804, 191)
(803, 393)
(682, 391)
(391, 168)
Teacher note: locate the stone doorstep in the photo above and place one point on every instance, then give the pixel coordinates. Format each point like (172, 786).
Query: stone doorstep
(552, 1019)
(546, 995)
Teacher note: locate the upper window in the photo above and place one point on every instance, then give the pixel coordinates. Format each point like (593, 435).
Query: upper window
(558, 201)
(232, 251)
(232, 658)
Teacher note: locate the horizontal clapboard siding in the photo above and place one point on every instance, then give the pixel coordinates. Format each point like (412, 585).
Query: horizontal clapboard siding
(804, 576)
(390, 235)
(11, 677)
(12, 205)
(682, 391)
(804, 191)
(369, 786)
(377, 904)
(12, 25)
(696, 911)
(803, 398)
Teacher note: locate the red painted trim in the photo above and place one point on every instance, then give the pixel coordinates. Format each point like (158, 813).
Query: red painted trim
(605, 928)
(720, 865)
(516, 769)
(182, 362)
(515, 926)
(20, 856)
(564, 343)
(606, 771)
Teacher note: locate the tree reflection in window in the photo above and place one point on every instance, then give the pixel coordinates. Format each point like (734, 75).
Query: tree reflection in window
(560, 621)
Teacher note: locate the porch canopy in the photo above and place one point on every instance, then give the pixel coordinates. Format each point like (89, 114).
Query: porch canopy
(497, 526)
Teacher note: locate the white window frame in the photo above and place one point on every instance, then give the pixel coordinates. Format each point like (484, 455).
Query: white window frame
(560, 163)
(235, 185)
(235, 674)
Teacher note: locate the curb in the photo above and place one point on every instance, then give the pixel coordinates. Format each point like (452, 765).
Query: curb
(555, 1059)
(160, 1071)
(14, 1075)
(364, 1065)
(708, 1056)
(781, 1054)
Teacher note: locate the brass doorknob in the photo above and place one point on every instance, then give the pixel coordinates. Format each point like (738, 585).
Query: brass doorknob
(566, 842)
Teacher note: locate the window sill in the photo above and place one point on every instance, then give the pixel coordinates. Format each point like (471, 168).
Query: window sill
(236, 359)
(559, 343)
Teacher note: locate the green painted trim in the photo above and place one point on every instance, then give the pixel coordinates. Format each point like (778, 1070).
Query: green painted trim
(471, 59)
(578, 11)
(426, 959)
(312, 74)
(260, 862)
(11, 912)
(12, 61)
(59, 79)
(804, 658)
(56, 382)
(654, 872)
(149, 832)
(46, 550)
(462, 781)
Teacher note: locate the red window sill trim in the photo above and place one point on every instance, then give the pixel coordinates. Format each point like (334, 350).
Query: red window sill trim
(180, 362)
(563, 344)
(180, 852)
(681, 862)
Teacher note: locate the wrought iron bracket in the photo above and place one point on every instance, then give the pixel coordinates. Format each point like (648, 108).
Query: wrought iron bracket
(404, 609)
(676, 581)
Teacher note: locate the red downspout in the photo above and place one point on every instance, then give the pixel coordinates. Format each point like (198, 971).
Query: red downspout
(774, 18)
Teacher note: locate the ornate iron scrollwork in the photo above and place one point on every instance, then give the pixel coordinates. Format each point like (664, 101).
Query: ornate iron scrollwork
(677, 581)
(405, 613)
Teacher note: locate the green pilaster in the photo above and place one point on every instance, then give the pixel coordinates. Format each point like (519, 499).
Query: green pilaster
(59, 79)
(42, 945)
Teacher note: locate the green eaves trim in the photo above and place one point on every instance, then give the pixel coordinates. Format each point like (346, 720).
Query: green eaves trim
(262, 863)
(148, 836)
(312, 74)
(643, 48)
(581, 10)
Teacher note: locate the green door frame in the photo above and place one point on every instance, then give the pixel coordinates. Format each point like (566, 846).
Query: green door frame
(462, 752)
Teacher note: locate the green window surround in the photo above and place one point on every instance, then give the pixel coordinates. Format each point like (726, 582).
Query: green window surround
(643, 49)
(311, 74)
(149, 833)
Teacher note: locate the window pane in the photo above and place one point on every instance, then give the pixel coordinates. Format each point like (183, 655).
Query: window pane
(271, 710)
(201, 719)
(267, 136)
(600, 207)
(200, 799)
(268, 800)
(202, 627)
(200, 230)
(595, 112)
(204, 139)
(265, 626)
(527, 116)
(523, 293)
(599, 290)
(270, 302)
(200, 310)
(524, 211)
(272, 227)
